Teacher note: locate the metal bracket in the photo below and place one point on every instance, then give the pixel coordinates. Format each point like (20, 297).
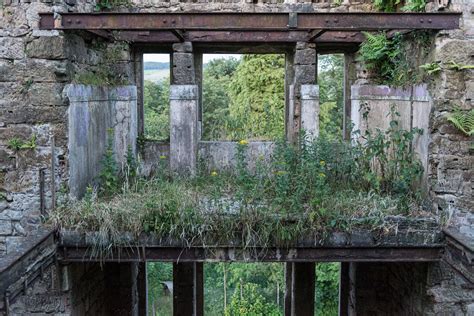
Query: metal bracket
(292, 20)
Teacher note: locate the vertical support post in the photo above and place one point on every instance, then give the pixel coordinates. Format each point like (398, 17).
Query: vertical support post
(188, 289)
(349, 78)
(300, 288)
(310, 111)
(142, 288)
(184, 103)
(198, 71)
(289, 96)
(352, 306)
(305, 71)
(344, 288)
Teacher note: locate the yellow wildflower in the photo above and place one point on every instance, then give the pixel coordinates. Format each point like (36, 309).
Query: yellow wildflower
(322, 163)
(214, 173)
(162, 157)
(322, 175)
(281, 172)
(243, 142)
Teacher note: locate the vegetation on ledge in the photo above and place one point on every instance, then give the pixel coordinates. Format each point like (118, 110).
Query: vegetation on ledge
(305, 190)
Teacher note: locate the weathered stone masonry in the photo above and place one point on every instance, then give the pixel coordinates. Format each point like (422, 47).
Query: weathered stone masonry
(36, 65)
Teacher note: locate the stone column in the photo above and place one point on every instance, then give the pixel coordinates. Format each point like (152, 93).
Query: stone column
(184, 110)
(188, 289)
(305, 70)
(300, 288)
(310, 110)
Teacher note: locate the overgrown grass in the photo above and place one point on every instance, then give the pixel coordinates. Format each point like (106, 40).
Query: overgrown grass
(305, 191)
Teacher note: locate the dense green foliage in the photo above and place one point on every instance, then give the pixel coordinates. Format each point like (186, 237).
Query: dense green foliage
(331, 95)
(396, 60)
(391, 5)
(156, 109)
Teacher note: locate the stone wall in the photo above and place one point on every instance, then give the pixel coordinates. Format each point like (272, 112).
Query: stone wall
(35, 65)
(411, 289)
(82, 289)
(93, 112)
(412, 104)
(451, 156)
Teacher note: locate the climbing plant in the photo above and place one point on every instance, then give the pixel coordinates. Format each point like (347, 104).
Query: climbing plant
(391, 5)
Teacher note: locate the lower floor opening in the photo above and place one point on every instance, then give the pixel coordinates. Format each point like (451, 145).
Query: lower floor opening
(243, 288)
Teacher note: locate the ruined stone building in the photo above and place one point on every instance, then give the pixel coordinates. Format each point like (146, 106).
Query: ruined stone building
(46, 44)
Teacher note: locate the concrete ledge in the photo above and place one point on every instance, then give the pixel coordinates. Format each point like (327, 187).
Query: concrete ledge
(88, 93)
(370, 92)
(419, 241)
(183, 92)
(221, 155)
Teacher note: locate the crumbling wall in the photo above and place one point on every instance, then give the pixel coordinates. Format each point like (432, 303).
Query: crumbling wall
(95, 115)
(373, 107)
(451, 156)
(35, 66)
(82, 289)
(411, 289)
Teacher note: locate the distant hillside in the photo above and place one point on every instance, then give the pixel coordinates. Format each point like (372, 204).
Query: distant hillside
(155, 65)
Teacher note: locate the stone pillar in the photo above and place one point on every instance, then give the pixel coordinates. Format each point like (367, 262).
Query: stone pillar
(300, 288)
(346, 289)
(350, 76)
(142, 288)
(310, 110)
(184, 109)
(305, 70)
(188, 289)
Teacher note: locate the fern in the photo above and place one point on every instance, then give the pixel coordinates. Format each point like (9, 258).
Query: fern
(464, 121)
(431, 68)
(414, 6)
(458, 67)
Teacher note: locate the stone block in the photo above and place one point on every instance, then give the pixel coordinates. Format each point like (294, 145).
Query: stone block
(15, 114)
(305, 57)
(12, 48)
(5, 228)
(186, 47)
(305, 74)
(46, 94)
(47, 47)
(183, 68)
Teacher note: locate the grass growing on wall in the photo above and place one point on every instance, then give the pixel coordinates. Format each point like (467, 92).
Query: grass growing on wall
(311, 188)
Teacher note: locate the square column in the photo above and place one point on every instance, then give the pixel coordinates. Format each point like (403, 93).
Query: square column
(304, 73)
(184, 111)
(183, 129)
(188, 289)
(310, 110)
(300, 288)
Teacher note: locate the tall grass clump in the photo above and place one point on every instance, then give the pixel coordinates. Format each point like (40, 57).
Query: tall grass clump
(305, 190)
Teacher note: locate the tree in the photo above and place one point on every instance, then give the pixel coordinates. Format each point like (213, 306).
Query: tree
(248, 302)
(331, 95)
(156, 109)
(257, 94)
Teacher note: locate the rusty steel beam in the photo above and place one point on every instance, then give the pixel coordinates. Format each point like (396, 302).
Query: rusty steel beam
(249, 21)
(173, 254)
(234, 36)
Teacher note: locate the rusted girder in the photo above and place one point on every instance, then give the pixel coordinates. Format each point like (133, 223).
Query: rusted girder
(355, 21)
(173, 254)
(238, 36)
